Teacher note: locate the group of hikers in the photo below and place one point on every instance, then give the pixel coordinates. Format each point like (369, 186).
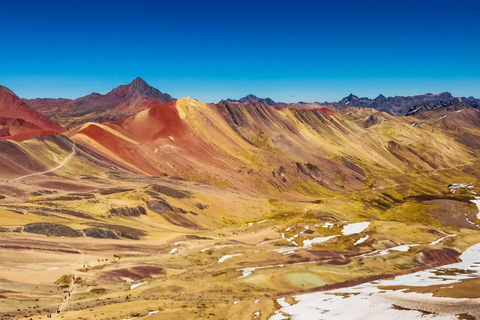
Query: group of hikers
(50, 315)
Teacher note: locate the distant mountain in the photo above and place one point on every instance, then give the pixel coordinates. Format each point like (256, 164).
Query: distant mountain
(472, 102)
(117, 104)
(299, 106)
(140, 86)
(45, 104)
(455, 104)
(19, 122)
(398, 105)
(127, 100)
(353, 101)
(402, 105)
(312, 106)
(254, 99)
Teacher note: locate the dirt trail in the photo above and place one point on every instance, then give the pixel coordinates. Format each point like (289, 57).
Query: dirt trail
(64, 162)
(80, 262)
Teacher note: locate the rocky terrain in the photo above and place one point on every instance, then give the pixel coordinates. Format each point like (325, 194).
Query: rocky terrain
(254, 99)
(400, 105)
(184, 210)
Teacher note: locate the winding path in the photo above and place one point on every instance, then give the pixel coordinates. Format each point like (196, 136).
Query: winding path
(63, 306)
(64, 162)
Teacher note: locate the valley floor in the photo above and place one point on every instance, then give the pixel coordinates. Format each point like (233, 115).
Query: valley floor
(86, 249)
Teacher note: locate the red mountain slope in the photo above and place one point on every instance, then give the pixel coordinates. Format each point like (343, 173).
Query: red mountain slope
(19, 122)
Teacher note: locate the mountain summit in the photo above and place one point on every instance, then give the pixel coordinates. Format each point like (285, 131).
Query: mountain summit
(121, 102)
(140, 86)
(254, 99)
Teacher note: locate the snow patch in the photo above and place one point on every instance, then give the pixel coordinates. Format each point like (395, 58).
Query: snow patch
(286, 250)
(249, 271)
(133, 286)
(282, 302)
(471, 222)
(361, 240)
(355, 228)
(228, 256)
(268, 241)
(367, 301)
(309, 243)
(455, 186)
(290, 239)
(477, 202)
(441, 239)
(403, 248)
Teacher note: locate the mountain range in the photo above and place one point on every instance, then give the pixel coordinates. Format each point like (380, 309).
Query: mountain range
(43, 116)
(254, 99)
(142, 205)
(127, 100)
(146, 131)
(398, 105)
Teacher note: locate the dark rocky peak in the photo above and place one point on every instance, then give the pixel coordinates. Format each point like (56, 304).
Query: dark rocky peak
(270, 102)
(140, 85)
(353, 101)
(454, 104)
(380, 100)
(352, 97)
(143, 88)
(139, 81)
(251, 98)
(472, 102)
(397, 105)
(445, 95)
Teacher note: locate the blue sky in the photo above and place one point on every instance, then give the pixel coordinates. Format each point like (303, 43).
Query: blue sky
(209, 50)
